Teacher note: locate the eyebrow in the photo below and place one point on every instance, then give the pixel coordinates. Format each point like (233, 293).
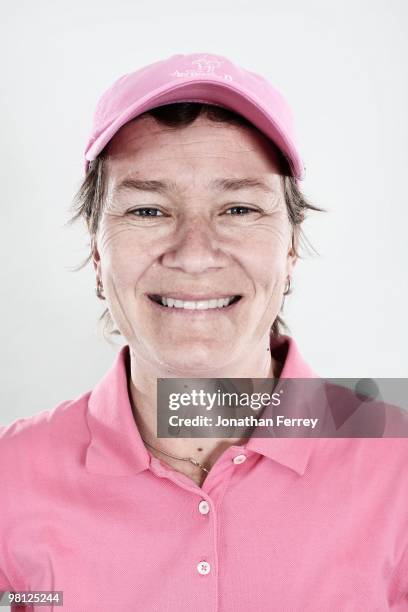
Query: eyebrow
(165, 187)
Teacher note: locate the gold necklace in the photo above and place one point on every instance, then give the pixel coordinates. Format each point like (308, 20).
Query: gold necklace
(190, 459)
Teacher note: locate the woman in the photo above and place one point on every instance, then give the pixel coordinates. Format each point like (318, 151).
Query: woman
(192, 201)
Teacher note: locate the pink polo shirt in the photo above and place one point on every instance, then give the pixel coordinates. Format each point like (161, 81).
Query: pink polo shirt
(279, 524)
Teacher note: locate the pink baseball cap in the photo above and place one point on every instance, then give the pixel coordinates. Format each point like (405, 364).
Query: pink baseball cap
(197, 77)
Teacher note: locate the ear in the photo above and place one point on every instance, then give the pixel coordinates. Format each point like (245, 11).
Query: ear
(96, 259)
(292, 258)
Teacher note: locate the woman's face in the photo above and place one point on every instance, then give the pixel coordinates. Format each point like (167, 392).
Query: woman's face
(196, 212)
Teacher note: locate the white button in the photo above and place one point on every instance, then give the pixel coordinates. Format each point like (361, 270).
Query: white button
(204, 507)
(239, 459)
(203, 568)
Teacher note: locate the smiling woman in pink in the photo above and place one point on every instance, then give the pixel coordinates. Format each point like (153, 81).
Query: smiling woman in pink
(192, 201)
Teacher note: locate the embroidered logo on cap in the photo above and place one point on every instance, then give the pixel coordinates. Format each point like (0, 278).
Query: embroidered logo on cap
(203, 66)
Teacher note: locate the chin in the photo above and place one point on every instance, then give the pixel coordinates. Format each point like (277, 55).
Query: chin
(195, 358)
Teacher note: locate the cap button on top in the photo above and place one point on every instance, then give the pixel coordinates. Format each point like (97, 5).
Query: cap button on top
(239, 459)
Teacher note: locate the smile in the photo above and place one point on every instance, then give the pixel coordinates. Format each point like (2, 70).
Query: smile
(208, 304)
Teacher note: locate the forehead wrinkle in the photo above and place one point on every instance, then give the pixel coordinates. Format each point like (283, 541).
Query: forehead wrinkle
(171, 186)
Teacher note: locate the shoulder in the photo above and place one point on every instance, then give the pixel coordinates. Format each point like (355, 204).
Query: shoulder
(375, 466)
(35, 443)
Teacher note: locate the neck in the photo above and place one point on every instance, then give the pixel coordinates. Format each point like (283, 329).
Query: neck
(142, 388)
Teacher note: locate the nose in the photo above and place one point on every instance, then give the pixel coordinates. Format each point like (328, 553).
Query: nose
(195, 248)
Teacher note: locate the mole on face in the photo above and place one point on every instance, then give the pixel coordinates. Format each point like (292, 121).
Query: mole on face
(199, 449)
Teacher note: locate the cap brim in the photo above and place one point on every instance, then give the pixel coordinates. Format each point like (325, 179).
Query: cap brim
(207, 91)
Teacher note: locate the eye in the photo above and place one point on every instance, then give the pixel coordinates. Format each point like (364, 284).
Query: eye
(146, 212)
(241, 209)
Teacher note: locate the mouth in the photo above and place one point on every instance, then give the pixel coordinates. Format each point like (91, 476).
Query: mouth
(211, 305)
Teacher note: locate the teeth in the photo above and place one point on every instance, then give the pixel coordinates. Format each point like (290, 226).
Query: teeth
(199, 305)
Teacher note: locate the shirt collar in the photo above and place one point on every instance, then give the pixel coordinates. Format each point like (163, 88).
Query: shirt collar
(294, 453)
(116, 448)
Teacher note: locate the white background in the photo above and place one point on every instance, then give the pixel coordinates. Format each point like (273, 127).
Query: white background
(342, 66)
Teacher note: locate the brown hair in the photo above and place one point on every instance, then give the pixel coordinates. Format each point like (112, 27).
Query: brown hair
(90, 198)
